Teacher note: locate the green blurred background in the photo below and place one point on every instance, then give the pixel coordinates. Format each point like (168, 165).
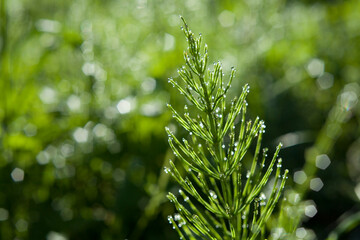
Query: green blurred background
(83, 95)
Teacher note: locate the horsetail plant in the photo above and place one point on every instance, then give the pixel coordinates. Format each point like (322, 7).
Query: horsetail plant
(222, 196)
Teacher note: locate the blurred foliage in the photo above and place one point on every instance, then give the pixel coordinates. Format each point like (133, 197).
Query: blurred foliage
(82, 107)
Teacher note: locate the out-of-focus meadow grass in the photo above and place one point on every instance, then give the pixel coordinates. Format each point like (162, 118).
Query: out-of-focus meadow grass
(83, 95)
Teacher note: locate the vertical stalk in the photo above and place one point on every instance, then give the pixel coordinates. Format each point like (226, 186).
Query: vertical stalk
(232, 202)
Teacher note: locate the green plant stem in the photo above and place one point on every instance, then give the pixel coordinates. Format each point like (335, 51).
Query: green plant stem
(214, 178)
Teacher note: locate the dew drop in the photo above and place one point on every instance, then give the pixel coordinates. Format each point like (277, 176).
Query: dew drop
(213, 194)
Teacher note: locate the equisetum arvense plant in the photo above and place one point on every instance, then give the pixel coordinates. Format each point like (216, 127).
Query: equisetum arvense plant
(225, 191)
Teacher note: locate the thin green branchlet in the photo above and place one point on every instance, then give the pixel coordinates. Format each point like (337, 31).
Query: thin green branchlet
(220, 197)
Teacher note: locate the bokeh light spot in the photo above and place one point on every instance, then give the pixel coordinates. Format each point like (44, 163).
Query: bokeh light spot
(21, 225)
(325, 81)
(348, 99)
(59, 162)
(316, 184)
(118, 175)
(17, 175)
(315, 67)
(55, 236)
(149, 85)
(300, 177)
(357, 190)
(169, 42)
(74, 103)
(322, 161)
(310, 210)
(4, 214)
(30, 130)
(81, 135)
(47, 25)
(48, 95)
(100, 130)
(226, 18)
(110, 112)
(88, 69)
(67, 149)
(152, 108)
(43, 158)
(124, 106)
(300, 232)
